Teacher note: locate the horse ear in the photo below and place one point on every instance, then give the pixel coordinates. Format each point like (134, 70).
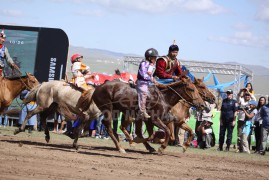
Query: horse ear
(203, 79)
(184, 74)
(195, 80)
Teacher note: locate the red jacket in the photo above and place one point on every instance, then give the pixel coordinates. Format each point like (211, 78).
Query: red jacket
(162, 70)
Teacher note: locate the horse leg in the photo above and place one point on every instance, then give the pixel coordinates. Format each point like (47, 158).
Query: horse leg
(107, 122)
(123, 127)
(43, 118)
(139, 136)
(187, 128)
(77, 132)
(38, 109)
(170, 125)
(149, 127)
(161, 125)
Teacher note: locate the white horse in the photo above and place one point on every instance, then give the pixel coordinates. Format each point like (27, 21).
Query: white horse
(63, 97)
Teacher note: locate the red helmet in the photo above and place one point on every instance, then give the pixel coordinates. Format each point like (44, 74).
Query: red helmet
(2, 34)
(75, 56)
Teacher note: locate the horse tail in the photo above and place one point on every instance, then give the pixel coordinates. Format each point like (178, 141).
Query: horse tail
(32, 94)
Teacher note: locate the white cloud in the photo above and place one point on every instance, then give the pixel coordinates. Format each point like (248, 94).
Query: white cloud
(96, 13)
(244, 38)
(203, 6)
(158, 6)
(11, 13)
(262, 12)
(241, 27)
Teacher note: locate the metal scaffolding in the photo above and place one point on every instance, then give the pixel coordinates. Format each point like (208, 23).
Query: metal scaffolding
(235, 70)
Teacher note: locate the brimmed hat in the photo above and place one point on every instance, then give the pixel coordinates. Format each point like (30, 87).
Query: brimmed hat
(253, 102)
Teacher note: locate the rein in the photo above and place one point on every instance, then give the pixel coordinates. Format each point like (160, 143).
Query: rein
(26, 86)
(181, 96)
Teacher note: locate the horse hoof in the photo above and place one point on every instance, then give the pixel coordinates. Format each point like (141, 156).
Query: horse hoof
(47, 140)
(152, 150)
(75, 146)
(17, 131)
(184, 149)
(139, 140)
(132, 144)
(122, 151)
(160, 150)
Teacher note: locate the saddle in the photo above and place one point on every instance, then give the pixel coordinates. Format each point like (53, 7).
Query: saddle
(85, 99)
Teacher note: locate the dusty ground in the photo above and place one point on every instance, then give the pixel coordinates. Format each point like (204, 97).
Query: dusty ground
(27, 156)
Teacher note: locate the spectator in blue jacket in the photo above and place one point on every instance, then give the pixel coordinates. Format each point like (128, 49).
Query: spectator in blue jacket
(265, 127)
(27, 107)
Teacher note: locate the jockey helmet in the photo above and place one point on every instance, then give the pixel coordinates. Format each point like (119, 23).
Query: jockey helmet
(151, 52)
(2, 34)
(75, 57)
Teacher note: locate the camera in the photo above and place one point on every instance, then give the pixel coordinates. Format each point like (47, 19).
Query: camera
(243, 107)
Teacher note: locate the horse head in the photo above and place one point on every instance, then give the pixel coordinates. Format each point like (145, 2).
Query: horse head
(187, 91)
(31, 81)
(204, 92)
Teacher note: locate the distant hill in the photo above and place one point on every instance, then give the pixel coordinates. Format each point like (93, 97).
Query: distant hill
(257, 70)
(104, 61)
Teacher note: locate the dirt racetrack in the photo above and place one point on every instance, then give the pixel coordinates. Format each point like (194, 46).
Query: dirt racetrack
(28, 156)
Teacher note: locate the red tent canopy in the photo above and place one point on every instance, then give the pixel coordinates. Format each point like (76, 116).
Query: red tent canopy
(101, 78)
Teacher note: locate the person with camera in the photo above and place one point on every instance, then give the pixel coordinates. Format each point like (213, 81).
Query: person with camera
(247, 90)
(250, 112)
(207, 135)
(243, 103)
(228, 114)
(265, 127)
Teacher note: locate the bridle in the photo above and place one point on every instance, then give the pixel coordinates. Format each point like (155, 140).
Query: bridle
(203, 95)
(28, 79)
(169, 87)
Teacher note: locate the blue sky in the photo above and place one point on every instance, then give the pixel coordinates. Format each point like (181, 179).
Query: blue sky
(205, 30)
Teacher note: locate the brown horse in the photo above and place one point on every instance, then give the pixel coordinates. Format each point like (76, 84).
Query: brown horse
(10, 88)
(180, 111)
(113, 97)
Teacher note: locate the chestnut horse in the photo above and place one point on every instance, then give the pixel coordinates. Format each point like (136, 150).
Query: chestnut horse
(180, 111)
(10, 88)
(113, 97)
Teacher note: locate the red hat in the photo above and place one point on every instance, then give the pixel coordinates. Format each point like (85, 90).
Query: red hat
(75, 56)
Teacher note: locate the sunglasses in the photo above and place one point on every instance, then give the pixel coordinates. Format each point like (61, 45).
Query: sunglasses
(247, 94)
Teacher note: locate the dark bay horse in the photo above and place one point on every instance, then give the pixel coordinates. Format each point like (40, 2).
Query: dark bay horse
(180, 111)
(10, 88)
(113, 97)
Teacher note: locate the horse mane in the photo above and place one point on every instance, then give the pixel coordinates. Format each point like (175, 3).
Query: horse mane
(165, 86)
(15, 78)
(32, 94)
